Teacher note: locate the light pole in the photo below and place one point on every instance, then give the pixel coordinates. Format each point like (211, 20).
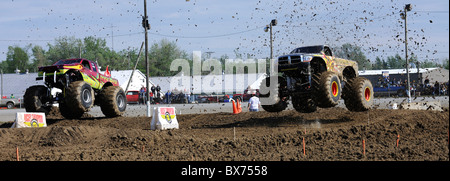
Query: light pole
(268, 27)
(407, 8)
(146, 26)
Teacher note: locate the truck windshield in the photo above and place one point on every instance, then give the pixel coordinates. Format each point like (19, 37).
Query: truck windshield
(312, 49)
(62, 62)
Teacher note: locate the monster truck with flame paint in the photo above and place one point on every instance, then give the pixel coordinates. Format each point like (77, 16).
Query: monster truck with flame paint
(312, 77)
(82, 85)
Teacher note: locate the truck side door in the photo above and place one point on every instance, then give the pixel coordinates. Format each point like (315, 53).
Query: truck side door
(90, 76)
(95, 73)
(330, 59)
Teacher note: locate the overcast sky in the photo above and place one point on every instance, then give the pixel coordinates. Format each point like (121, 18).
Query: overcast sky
(225, 26)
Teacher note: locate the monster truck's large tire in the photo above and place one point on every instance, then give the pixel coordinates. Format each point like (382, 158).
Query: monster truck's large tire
(68, 112)
(327, 89)
(304, 104)
(113, 101)
(358, 94)
(273, 103)
(79, 97)
(35, 99)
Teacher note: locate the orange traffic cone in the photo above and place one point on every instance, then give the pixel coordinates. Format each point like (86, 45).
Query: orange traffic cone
(235, 110)
(239, 108)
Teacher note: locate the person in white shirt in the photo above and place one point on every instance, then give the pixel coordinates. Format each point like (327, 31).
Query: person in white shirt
(254, 104)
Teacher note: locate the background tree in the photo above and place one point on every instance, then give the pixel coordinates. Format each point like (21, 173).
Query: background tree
(64, 48)
(161, 56)
(353, 52)
(17, 58)
(396, 62)
(39, 58)
(446, 63)
(379, 64)
(430, 64)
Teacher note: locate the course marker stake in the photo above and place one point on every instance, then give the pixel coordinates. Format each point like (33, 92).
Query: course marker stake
(304, 146)
(398, 139)
(364, 147)
(17, 154)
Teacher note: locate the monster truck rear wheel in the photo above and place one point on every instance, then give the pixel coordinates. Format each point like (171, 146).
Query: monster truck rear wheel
(327, 89)
(35, 99)
(358, 94)
(79, 97)
(113, 101)
(273, 103)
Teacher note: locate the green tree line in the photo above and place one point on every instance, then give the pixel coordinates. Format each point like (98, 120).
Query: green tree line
(161, 55)
(32, 56)
(353, 52)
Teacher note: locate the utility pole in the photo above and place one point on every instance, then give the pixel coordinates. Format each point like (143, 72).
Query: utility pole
(407, 8)
(272, 23)
(146, 27)
(112, 36)
(1, 71)
(271, 42)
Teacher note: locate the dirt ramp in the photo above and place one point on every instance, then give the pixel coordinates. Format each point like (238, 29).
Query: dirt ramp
(327, 134)
(62, 136)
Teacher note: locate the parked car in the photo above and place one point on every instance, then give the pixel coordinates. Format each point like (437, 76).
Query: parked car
(9, 102)
(246, 95)
(207, 99)
(133, 96)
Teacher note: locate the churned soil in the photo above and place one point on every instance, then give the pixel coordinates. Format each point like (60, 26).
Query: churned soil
(327, 135)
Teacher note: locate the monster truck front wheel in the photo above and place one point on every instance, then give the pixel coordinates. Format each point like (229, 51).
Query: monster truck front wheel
(68, 112)
(35, 99)
(113, 101)
(79, 97)
(273, 103)
(358, 94)
(327, 89)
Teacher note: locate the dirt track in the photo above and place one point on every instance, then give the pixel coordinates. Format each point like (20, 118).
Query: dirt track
(331, 134)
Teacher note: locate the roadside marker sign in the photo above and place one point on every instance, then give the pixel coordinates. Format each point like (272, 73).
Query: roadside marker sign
(164, 118)
(29, 120)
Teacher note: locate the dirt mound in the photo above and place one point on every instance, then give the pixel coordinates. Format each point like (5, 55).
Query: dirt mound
(329, 134)
(54, 113)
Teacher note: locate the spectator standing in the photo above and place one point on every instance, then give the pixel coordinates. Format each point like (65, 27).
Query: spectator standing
(153, 88)
(158, 89)
(254, 104)
(143, 95)
(436, 88)
(167, 96)
(443, 90)
(151, 97)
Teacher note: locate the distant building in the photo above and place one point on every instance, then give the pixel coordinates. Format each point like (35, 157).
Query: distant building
(438, 74)
(416, 75)
(123, 76)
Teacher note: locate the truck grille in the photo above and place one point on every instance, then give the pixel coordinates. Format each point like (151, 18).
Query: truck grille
(295, 59)
(283, 60)
(289, 60)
